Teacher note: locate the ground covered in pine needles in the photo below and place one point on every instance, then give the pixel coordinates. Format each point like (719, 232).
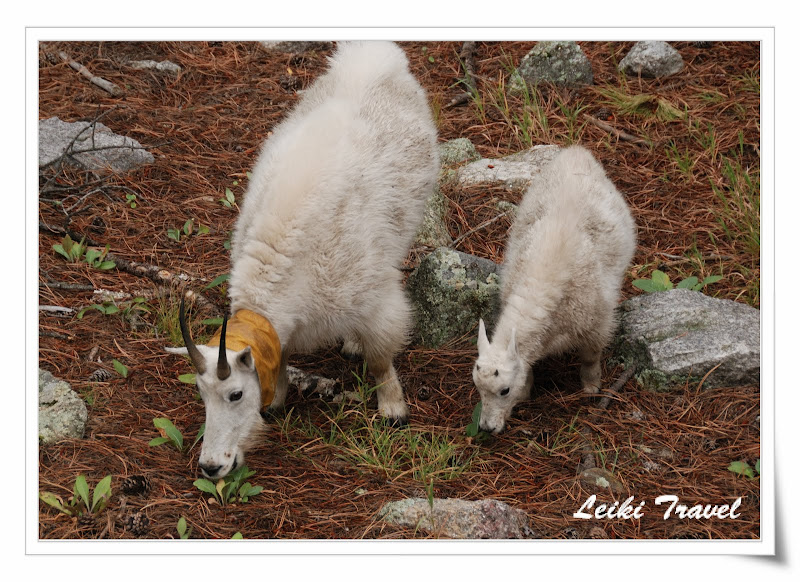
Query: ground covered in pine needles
(683, 150)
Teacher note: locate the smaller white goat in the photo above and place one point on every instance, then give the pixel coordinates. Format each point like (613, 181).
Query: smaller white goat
(332, 207)
(569, 246)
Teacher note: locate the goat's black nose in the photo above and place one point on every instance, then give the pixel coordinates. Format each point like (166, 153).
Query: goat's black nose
(210, 470)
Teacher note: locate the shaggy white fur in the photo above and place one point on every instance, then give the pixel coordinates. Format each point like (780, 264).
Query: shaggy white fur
(331, 210)
(567, 252)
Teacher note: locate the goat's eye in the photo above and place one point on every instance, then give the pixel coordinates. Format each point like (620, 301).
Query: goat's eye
(504, 391)
(235, 396)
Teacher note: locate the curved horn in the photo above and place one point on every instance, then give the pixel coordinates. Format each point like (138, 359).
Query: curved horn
(194, 354)
(223, 368)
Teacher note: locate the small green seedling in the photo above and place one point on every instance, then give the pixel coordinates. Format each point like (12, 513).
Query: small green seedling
(70, 250)
(121, 368)
(131, 200)
(473, 428)
(171, 434)
(188, 378)
(188, 229)
(183, 532)
(744, 469)
(96, 259)
(660, 281)
(217, 281)
(79, 503)
(106, 308)
(229, 200)
(237, 536)
(231, 488)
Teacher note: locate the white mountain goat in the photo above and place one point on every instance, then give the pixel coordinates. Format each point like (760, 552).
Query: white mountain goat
(331, 210)
(568, 249)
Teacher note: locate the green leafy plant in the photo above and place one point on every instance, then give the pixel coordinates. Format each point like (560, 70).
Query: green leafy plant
(229, 200)
(744, 469)
(188, 378)
(171, 434)
(183, 532)
(121, 368)
(131, 200)
(80, 502)
(237, 536)
(96, 259)
(232, 488)
(660, 281)
(106, 308)
(188, 230)
(70, 250)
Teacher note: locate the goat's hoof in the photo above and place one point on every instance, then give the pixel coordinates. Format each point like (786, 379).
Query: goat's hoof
(591, 390)
(350, 356)
(396, 422)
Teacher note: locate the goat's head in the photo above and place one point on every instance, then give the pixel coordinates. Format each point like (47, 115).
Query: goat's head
(502, 378)
(235, 381)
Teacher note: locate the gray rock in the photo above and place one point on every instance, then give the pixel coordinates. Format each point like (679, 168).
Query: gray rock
(680, 334)
(515, 171)
(457, 151)
(113, 151)
(458, 518)
(296, 46)
(651, 58)
(161, 66)
(62, 413)
(433, 230)
(557, 62)
(450, 291)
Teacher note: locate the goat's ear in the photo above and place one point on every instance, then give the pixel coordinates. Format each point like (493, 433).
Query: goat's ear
(179, 351)
(245, 359)
(512, 343)
(483, 341)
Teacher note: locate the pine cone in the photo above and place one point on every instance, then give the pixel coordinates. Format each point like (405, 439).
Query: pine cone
(99, 375)
(137, 524)
(603, 114)
(598, 533)
(702, 44)
(136, 485)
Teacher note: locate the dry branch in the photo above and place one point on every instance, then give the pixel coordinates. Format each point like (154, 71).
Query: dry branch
(624, 136)
(95, 80)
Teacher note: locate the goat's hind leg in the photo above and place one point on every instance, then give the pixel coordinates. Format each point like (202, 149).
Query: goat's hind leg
(590, 369)
(380, 343)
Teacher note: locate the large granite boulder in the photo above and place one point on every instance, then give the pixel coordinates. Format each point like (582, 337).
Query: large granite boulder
(450, 291)
(515, 172)
(680, 334)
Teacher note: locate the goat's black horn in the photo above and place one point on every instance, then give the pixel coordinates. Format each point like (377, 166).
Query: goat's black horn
(194, 354)
(223, 368)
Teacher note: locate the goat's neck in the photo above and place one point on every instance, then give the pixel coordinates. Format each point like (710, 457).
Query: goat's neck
(531, 327)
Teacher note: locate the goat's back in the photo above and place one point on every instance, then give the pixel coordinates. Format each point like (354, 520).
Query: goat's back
(337, 194)
(571, 242)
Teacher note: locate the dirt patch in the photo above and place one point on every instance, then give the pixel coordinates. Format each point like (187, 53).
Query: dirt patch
(204, 127)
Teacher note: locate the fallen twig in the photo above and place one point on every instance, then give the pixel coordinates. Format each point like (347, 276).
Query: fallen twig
(624, 136)
(616, 386)
(99, 81)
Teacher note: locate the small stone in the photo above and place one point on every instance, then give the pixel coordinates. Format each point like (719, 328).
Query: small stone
(62, 413)
(652, 58)
(295, 47)
(161, 66)
(558, 62)
(458, 518)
